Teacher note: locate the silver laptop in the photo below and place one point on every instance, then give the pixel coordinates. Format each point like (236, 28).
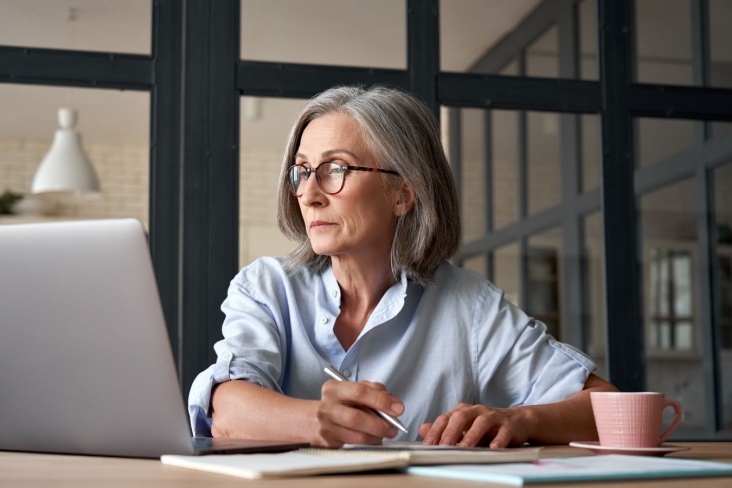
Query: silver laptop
(86, 365)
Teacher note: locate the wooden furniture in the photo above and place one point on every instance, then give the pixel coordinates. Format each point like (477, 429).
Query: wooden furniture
(51, 470)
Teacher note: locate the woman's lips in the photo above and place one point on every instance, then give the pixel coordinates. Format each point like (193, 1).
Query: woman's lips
(319, 224)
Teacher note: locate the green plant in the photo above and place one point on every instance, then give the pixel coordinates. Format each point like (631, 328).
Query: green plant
(7, 200)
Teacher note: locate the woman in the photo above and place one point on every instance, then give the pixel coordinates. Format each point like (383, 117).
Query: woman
(367, 194)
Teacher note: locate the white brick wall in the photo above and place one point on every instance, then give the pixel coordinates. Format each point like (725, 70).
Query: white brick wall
(258, 232)
(122, 170)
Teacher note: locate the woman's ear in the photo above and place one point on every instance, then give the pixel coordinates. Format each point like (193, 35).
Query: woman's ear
(405, 200)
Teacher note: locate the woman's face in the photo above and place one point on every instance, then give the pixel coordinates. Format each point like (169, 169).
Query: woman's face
(360, 220)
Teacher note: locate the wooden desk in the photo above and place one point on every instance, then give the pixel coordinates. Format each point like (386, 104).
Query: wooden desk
(46, 470)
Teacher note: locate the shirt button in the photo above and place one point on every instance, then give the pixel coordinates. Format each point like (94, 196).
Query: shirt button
(347, 373)
(324, 320)
(226, 356)
(335, 293)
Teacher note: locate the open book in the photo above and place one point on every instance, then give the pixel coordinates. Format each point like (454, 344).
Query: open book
(311, 461)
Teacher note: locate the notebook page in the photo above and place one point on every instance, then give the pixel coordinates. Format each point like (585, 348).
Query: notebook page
(294, 463)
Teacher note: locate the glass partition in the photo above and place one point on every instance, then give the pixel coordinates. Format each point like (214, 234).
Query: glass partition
(660, 139)
(590, 151)
(264, 126)
(479, 264)
(335, 32)
(470, 29)
(543, 161)
(722, 177)
(594, 291)
(542, 56)
(114, 128)
(544, 265)
(663, 42)
(505, 148)
(507, 272)
(673, 331)
(473, 197)
(587, 14)
(86, 25)
(720, 43)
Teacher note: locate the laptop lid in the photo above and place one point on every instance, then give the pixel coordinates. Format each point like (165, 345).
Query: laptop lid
(86, 366)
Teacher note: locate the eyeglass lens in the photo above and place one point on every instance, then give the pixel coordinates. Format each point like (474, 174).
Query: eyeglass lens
(329, 177)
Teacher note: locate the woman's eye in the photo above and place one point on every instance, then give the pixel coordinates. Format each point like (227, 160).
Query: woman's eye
(337, 167)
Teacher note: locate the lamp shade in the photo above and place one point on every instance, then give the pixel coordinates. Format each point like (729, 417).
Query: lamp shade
(66, 167)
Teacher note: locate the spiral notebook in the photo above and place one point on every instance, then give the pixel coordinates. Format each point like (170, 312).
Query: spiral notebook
(313, 461)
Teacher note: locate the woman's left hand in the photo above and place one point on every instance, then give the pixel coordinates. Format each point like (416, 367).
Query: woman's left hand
(471, 425)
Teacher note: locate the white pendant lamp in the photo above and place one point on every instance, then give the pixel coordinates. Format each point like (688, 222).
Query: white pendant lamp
(66, 167)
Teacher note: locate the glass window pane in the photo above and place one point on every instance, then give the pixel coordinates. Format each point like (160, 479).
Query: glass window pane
(721, 130)
(542, 57)
(591, 151)
(594, 288)
(98, 25)
(544, 178)
(469, 29)
(479, 264)
(544, 265)
(683, 286)
(511, 69)
(265, 124)
(683, 339)
(663, 41)
(588, 39)
(674, 365)
(505, 147)
(722, 178)
(473, 179)
(118, 147)
(659, 139)
(720, 43)
(336, 32)
(506, 266)
(664, 332)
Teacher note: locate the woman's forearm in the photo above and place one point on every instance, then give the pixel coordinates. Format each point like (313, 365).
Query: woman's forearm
(244, 410)
(568, 420)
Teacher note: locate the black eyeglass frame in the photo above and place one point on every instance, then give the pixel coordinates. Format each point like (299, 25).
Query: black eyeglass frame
(345, 167)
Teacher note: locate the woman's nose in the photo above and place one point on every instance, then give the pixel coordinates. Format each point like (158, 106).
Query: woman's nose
(311, 192)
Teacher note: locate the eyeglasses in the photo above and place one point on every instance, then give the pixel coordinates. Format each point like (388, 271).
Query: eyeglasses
(330, 176)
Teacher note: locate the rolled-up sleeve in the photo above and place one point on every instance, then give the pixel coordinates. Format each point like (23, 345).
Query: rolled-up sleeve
(251, 350)
(535, 369)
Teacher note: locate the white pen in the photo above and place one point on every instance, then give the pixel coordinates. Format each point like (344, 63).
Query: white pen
(336, 375)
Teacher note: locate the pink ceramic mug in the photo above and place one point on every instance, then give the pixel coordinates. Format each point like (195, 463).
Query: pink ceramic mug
(632, 419)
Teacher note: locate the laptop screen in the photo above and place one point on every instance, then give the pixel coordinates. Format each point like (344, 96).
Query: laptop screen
(86, 365)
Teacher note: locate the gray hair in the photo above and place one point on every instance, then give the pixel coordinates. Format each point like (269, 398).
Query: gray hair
(402, 134)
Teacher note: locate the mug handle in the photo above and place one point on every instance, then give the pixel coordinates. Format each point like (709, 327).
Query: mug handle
(677, 419)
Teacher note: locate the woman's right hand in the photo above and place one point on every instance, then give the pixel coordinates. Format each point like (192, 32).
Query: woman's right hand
(343, 414)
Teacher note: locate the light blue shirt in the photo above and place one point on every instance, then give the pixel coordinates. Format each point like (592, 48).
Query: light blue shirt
(433, 347)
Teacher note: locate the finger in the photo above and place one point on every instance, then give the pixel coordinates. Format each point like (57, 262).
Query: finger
(362, 393)
(373, 384)
(353, 418)
(434, 434)
(502, 438)
(334, 435)
(458, 423)
(424, 429)
(482, 426)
